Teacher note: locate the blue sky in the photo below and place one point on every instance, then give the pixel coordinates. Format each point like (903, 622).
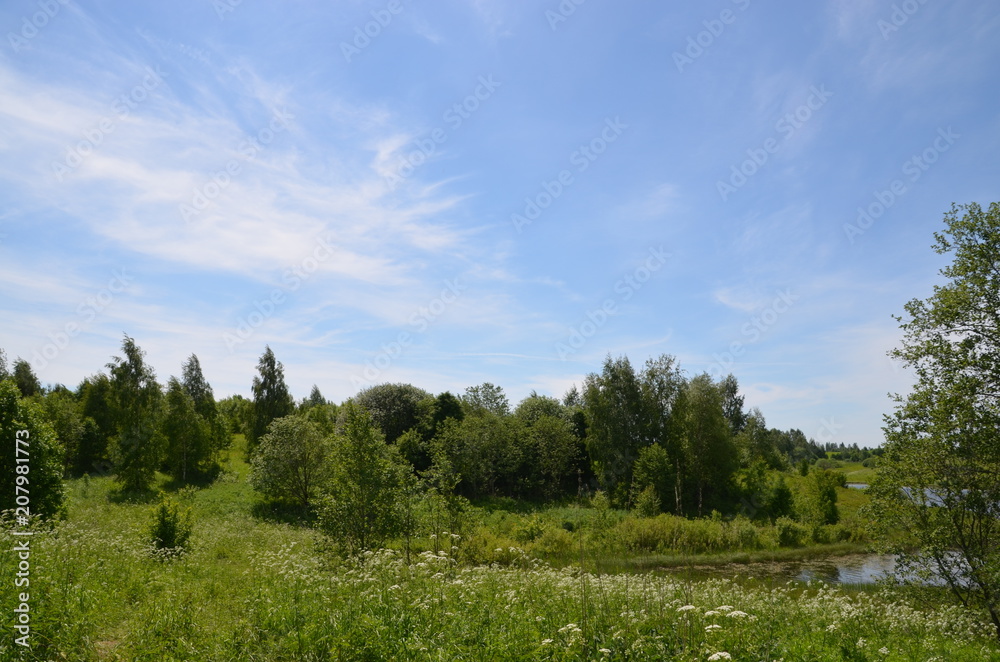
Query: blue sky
(464, 191)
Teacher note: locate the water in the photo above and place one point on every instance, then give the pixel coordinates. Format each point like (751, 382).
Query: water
(850, 569)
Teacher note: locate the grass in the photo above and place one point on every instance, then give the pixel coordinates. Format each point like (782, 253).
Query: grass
(255, 588)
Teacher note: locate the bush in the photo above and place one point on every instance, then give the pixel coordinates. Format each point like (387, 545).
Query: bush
(647, 503)
(790, 532)
(171, 527)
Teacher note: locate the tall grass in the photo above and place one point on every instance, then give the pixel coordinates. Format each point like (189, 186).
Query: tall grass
(255, 589)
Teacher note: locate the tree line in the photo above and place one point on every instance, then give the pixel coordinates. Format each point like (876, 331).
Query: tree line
(683, 445)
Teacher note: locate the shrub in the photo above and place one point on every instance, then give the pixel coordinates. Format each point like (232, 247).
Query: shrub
(171, 526)
(647, 503)
(790, 532)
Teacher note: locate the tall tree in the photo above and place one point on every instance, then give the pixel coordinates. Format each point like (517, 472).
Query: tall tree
(62, 412)
(939, 475)
(732, 404)
(200, 390)
(711, 457)
(619, 424)
(137, 447)
(189, 444)
(271, 399)
(96, 407)
(30, 450)
(25, 378)
(4, 370)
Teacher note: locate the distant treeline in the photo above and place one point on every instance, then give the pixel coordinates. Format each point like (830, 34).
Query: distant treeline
(686, 444)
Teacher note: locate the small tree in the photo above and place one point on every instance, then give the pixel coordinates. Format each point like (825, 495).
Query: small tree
(171, 526)
(292, 461)
(188, 436)
(362, 509)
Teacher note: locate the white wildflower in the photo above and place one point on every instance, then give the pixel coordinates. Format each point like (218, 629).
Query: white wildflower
(686, 608)
(721, 655)
(709, 628)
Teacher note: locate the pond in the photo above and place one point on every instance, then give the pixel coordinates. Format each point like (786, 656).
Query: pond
(850, 569)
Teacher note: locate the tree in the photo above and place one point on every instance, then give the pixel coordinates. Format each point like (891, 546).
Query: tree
(137, 448)
(27, 435)
(939, 474)
(25, 378)
(488, 398)
(619, 424)
(554, 450)
(4, 372)
(62, 412)
(315, 398)
(655, 471)
(292, 461)
(363, 507)
(204, 405)
(96, 407)
(535, 406)
(711, 457)
(393, 407)
(189, 443)
(732, 404)
(270, 398)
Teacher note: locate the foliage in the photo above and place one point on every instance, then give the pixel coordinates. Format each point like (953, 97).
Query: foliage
(292, 461)
(137, 447)
(25, 379)
(393, 407)
(819, 506)
(486, 398)
(190, 446)
(361, 509)
(171, 526)
(40, 478)
(939, 478)
(271, 399)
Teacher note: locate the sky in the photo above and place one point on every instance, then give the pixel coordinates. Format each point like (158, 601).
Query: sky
(464, 191)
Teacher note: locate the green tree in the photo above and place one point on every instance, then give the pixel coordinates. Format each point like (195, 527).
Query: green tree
(655, 470)
(4, 370)
(619, 424)
(363, 507)
(188, 436)
(535, 406)
(203, 398)
(292, 461)
(939, 474)
(820, 498)
(271, 399)
(393, 407)
(553, 452)
(62, 412)
(25, 378)
(487, 398)
(137, 448)
(710, 454)
(96, 408)
(39, 451)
